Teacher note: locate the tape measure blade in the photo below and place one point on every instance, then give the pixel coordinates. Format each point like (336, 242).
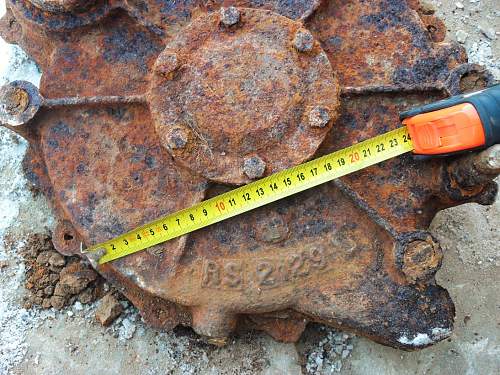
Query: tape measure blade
(259, 193)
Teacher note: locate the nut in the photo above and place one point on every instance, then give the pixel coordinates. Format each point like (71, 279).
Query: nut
(319, 117)
(254, 167)
(229, 16)
(303, 40)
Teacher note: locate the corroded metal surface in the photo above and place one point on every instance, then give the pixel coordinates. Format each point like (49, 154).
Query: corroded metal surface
(257, 79)
(129, 84)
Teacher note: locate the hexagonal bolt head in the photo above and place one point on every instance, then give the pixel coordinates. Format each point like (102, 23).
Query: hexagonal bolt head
(303, 40)
(19, 102)
(319, 117)
(229, 16)
(178, 138)
(254, 167)
(14, 100)
(167, 64)
(421, 259)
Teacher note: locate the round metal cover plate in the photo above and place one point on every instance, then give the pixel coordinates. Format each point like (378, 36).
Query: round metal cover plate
(242, 93)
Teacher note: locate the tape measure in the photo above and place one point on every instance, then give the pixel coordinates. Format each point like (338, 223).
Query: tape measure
(258, 193)
(455, 124)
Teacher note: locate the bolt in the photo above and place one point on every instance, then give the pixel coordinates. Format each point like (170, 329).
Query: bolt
(178, 138)
(488, 161)
(319, 117)
(254, 167)
(421, 259)
(167, 64)
(474, 170)
(13, 100)
(229, 16)
(303, 40)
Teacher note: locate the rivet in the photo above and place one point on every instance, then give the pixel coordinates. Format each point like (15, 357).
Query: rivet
(254, 167)
(319, 117)
(303, 40)
(167, 64)
(229, 16)
(178, 138)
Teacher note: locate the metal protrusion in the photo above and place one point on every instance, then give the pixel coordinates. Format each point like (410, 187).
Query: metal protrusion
(303, 40)
(474, 170)
(94, 256)
(319, 117)
(19, 102)
(167, 64)
(178, 138)
(62, 6)
(421, 259)
(254, 167)
(488, 161)
(229, 16)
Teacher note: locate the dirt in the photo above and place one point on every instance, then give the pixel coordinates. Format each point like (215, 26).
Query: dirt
(54, 280)
(71, 340)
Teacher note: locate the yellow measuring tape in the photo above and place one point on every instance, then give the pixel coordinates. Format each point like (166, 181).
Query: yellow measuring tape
(258, 193)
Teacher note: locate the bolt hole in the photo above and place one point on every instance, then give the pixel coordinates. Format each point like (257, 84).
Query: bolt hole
(67, 237)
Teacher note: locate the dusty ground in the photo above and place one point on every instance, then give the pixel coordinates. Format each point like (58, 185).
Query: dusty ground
(70, 341)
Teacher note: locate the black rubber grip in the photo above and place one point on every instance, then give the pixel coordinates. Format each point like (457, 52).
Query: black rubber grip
(486, 102)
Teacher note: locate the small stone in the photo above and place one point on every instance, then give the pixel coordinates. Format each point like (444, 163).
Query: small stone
(53, 278)
(56, 260)
(127, 329)
(43, 257)
(345, 353)
(108, 310)
(303, 40)
(61, 290)
(46, 303)
(319, 117)
(3, 264)
(78, 306)
(87, 296)
(254, 167)
(229, 16)
(70, 313)
(459, 5)
(75, 278)
(427, 8)
(57, 302)
(488, 32)
(49, 290)
(461, 36)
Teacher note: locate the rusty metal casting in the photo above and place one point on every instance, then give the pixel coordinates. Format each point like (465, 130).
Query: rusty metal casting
(146, 107)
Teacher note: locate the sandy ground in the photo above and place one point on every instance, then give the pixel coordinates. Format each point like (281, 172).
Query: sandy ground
(70, 341)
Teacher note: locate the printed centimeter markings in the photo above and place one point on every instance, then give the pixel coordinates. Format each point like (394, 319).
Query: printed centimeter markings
(259, 193)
